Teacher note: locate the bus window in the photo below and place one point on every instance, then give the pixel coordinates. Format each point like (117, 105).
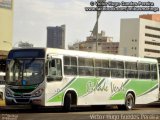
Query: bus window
(144, 71)
(70, 65)
(54, 70)
(102, 68)
(117, 69)
(86, 67)
(131, 70)
(53, 63)
(153, 71)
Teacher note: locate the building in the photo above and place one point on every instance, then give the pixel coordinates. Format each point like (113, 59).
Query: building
(25, 45)
(56, 37)
(140, 36)
(104, 44)
(6, 24)
(110, 47)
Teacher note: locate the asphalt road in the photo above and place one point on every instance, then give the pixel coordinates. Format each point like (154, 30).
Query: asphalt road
(141, 112)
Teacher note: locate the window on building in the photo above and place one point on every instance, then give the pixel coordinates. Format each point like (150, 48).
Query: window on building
(152, 28)
(151, 50)
(152, 35)
(152, 43)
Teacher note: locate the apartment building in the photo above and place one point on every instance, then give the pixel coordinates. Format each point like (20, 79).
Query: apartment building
(56, 37)
(140, 36)
(104, 44)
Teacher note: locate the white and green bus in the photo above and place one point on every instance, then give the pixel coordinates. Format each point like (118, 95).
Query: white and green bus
(56, 77)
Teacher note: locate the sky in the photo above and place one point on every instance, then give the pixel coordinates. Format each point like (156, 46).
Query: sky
(31, 18)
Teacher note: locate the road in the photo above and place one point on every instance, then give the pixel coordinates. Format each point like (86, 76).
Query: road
(141, 112)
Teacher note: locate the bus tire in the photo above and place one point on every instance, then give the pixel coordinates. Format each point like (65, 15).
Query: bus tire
(129, 102)
(67, 102)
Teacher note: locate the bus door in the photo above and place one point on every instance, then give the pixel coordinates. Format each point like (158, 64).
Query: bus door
(54, 75)
(154, 71)
(54, 69)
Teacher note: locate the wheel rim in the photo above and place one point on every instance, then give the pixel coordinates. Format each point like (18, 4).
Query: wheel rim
(129, 102)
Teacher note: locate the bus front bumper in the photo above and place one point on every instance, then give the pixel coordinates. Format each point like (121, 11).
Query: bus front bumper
(24, 101)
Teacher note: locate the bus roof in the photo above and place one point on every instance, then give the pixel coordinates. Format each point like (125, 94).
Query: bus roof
(93, 55)
(99, 55)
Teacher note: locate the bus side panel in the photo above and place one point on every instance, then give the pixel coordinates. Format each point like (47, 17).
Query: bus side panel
(151, 94)
(101, 93)
(55, 90)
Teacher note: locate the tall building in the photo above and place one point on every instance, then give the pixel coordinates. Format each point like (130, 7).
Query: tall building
(104, 44)
(56, 37)
(6, 24)
(140, 36)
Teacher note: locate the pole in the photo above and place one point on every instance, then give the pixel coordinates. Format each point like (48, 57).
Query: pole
(97, 32)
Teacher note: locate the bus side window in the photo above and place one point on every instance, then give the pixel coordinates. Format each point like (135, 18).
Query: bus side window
(53, 63)
(54, 70)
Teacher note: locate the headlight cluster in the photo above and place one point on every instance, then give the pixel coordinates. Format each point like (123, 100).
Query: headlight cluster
(8, 93)
(38, 93)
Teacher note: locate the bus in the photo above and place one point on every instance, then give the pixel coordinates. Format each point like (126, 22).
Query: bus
(67, 78)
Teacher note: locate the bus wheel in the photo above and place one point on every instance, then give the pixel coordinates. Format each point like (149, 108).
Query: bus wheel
(67, 102)
(129, 102)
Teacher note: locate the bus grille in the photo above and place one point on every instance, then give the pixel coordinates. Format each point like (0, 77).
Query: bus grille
(20, 95)
(22, 100)
(22, 90)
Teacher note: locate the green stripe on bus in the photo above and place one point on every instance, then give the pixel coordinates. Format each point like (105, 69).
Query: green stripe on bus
(80, 85)
(140, 87)
(152, 89)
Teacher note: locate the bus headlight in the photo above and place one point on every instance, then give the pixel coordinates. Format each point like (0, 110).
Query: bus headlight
(8, 93)
(37, 93)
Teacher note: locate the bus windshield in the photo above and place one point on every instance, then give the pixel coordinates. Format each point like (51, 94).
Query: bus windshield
(24, 72)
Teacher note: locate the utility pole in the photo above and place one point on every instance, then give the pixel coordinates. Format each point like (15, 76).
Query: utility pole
(98, 14)
(95, 29)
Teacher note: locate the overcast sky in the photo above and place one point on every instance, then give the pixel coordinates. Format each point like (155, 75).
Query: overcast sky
(31, 17)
